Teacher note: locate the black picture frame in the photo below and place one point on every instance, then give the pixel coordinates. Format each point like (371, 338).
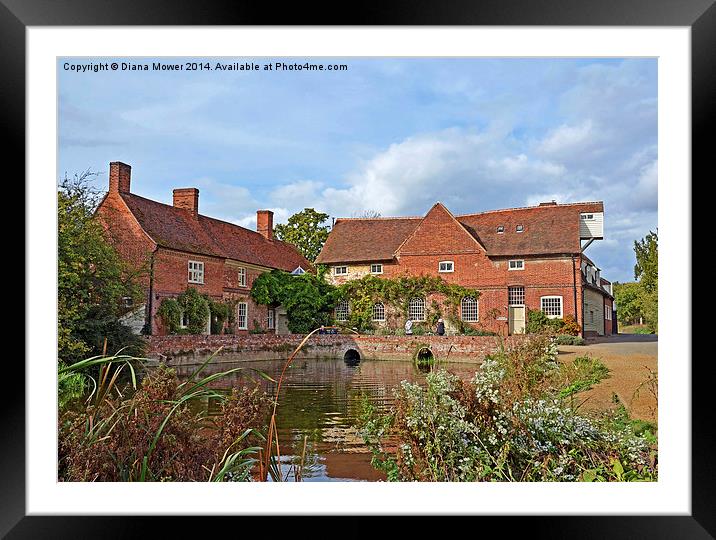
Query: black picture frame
(699, 15)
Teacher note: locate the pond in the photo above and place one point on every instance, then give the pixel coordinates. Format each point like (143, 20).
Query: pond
(321, 401)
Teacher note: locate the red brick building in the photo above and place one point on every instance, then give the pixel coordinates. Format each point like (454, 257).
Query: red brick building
(519, 259)
(175, 247)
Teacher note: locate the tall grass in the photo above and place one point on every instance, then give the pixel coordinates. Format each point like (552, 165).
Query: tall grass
(154, 434)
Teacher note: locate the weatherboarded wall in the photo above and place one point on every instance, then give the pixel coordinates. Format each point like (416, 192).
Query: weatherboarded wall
(194, 348)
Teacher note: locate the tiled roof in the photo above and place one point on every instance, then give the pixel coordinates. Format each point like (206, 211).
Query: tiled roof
(549, 229)
(178, 229)
(357, 239)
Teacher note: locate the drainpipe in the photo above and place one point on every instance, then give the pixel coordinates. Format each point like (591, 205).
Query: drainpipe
(150, 304)
(574, 287)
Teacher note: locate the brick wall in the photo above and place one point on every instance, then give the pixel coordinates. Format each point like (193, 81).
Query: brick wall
(194, 349)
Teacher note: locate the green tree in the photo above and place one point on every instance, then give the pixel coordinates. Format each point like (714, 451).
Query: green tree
(93, 281)
(646, 270)
(628, 299)
(308, 299)
(306, 231)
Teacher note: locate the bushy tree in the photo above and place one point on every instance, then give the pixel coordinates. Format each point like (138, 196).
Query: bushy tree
(308, 299)
(92, 278)
(646, 270)
(628, 302)
(306, 231)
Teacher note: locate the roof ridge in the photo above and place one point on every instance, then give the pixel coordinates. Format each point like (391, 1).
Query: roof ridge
(201, 215)
(377, 218)
(558, 205)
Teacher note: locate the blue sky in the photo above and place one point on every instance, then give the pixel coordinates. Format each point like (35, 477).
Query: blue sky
(387, 135)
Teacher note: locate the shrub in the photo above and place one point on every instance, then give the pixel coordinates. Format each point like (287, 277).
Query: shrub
(569, 326)
(566, 339)
(507, 424)
(191, 305)
(157, 435)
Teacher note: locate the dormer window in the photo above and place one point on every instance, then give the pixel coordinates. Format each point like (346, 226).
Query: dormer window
(500, 229)
(520, 228)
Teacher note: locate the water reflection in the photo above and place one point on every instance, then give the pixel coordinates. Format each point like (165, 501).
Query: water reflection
(320, 403)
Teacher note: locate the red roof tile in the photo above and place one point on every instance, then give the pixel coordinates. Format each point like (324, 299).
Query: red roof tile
(176, 228)
(550, 229)
(358, 239)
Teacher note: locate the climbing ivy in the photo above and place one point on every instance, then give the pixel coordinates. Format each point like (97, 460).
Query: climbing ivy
(192, 304)
(397, 292)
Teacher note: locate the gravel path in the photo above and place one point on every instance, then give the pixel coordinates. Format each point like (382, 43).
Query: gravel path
(629, 358)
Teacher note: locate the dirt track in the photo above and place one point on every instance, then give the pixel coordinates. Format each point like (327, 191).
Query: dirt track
(628, 357)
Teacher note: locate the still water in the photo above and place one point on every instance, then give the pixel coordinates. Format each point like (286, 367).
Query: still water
(321, 400)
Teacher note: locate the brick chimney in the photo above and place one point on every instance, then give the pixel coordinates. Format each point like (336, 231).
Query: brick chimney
(264, 223)
(188, 199)
(549, 203)
(120, 176)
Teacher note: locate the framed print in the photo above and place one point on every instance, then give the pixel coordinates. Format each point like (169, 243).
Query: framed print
(472, 200)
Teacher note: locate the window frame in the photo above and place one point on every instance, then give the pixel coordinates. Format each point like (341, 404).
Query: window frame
(382, 309)
(500, 229)
(476, 303)
(376, 272)
(523, 296)
(246, 316)
(607, 312)
(509, 264)
(552, 297)
(519, 228)
(452, 267)
(242, 273)
(195, 271)
(271, 319)
(337, 273)
(339, 308)
(411, 308)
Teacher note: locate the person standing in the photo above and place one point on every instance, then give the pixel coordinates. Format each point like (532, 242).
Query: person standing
(408, 327)
(440, 330)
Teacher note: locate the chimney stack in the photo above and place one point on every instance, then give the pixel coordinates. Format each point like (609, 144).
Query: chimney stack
(187, 199)
(120, 176)
(264, 223)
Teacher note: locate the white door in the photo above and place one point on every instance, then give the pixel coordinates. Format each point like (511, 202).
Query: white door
(516, 319)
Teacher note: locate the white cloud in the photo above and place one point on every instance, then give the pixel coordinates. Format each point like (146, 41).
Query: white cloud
(567, 138)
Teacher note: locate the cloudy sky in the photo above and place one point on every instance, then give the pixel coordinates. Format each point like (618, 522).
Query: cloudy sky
(387, 135)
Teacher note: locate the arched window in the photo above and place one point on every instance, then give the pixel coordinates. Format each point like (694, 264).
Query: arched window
(378, 311)
(416, 309)
(470, 309)
(342, 311)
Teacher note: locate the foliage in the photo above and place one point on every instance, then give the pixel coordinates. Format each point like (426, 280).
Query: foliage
(308, 299)
(92, 278)
(191, 305)
(567, 339)
(306, 231)
(627, 298)
(220, 314)
(539, 323)
(397, 293)
(581, 374)
(507, 424)
(646, 269)
(156, 434)
(170, 313)
(640, 300)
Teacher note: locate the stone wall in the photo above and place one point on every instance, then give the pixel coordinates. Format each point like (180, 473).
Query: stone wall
(190, 349)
